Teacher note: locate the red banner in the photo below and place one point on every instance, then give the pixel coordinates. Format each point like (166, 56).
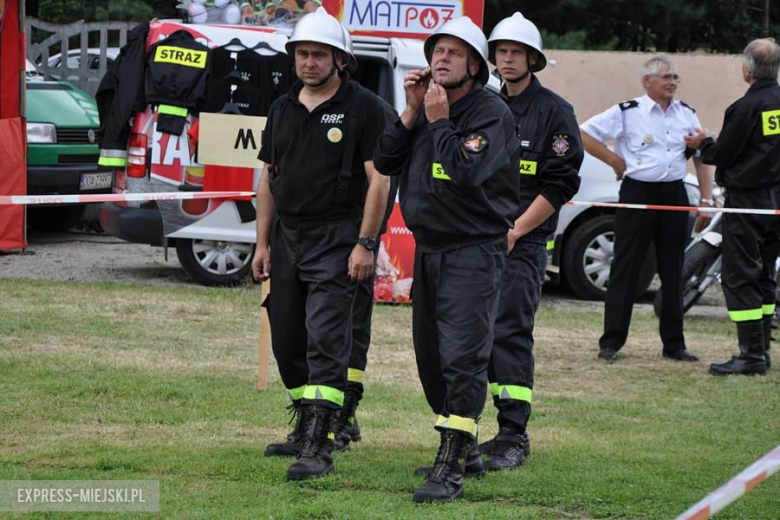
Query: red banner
(395, 264)
(13, 181)
(13, 173)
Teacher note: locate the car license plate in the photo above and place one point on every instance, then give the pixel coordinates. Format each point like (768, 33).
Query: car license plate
(96, 181)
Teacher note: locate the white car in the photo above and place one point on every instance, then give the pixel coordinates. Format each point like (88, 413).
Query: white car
(581, 252)
(93, 58)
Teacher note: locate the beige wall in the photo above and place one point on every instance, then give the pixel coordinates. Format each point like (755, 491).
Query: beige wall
(593, 80)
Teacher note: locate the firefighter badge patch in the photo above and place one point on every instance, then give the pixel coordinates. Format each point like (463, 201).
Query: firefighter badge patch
(560, 144)
(475, 143)
(335, 135)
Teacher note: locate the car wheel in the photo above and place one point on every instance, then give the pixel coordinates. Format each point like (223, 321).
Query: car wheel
(54, 218)
(587, 257)
(215, 262)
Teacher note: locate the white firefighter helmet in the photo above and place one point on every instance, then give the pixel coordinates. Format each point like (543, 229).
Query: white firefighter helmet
(353, 64)
(518, 29)
(320, 27)
(464, 29)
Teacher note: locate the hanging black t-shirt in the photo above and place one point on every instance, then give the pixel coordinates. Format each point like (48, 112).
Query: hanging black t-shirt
(276, 76)
(247, 97)
(247, 63)
(260, 79)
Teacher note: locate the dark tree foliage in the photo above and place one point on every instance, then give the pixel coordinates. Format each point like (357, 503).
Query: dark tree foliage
(630, 25)
(68, 11)
(650, 25)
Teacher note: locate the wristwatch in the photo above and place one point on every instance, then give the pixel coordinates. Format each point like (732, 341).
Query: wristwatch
(368, 242)
(709, 202)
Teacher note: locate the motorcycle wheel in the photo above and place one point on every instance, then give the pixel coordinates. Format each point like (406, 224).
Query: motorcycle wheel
(698, 261)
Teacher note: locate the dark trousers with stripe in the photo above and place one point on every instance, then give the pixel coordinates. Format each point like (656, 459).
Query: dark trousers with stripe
(750, 247)
(311, 301)
(454, 305)
(361, 331)
(512, 360)
(635, 230)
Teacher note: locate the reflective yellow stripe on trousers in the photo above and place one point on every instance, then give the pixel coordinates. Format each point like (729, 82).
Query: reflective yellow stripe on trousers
(518, 393)
(324, 393)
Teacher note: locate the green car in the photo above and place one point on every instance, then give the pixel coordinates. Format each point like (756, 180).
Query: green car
(62, 151)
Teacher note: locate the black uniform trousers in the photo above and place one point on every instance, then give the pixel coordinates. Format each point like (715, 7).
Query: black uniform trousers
(511, 372)
(769, 254)
(635, 230)
(454, 305)
(311, 304)
(361, 334)
(750, 247)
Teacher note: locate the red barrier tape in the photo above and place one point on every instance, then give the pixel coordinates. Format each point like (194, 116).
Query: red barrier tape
(21, 200)
(735, 488)
(675, 208)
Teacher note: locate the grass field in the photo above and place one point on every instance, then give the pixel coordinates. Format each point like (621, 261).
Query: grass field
(103, 381)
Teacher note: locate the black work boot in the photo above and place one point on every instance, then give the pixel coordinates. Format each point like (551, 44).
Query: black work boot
(486, 446)
(473, 466)
(315, 459)
(751, 352)
(768, 339)
(508, 450)
(292, 446)
(347, 427)
(445, 482)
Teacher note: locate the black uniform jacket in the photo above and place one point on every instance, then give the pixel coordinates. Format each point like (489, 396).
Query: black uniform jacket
(747, 153)
(550, 150)
(121, 91)
(177, 71)
(459, 183)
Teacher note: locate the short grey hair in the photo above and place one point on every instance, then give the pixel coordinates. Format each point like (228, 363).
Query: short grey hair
(762, 58)
(653, 66)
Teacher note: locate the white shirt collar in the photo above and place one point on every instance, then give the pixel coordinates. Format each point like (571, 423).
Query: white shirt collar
(647, 104)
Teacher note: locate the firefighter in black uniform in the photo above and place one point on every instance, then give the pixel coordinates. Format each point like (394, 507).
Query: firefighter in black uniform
(747, 157)
(319, 179)
(551, 155)
(456, 152)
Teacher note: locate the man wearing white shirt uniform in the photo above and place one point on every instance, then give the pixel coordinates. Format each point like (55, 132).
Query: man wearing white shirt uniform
(651, 158)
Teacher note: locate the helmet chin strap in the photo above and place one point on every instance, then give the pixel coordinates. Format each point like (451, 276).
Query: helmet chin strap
(464, 79)
(333, 70)
(522, 76)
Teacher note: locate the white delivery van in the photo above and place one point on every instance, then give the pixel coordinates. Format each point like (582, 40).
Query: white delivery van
(214, 239)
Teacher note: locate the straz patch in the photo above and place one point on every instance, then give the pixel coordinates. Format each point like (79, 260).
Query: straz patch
(527, 167)
(335, 135)
(180, 56)
(560, 144)
(438, 172)
(475, 143)
(771, 122)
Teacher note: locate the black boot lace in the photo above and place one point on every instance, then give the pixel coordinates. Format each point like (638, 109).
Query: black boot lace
(317, 426)
(448, 457)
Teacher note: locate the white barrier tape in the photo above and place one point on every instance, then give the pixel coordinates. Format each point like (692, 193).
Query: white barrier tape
(24, 200)
(675, 208)
(735, 488)
(15, 200)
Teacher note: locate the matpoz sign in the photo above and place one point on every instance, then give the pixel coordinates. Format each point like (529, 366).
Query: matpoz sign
(401, 18)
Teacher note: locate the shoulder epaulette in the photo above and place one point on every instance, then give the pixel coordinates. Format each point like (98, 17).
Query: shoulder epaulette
(689, 107)
(625, 105)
